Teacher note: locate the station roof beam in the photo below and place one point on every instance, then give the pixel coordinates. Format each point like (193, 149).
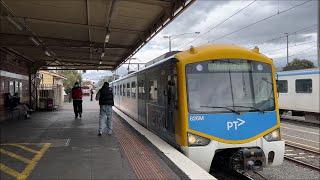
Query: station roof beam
(87, 34)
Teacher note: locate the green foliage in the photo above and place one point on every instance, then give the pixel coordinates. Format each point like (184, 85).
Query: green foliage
(297, 64)
(72, 77)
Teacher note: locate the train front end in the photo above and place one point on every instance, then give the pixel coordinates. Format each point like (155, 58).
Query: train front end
(231, 109)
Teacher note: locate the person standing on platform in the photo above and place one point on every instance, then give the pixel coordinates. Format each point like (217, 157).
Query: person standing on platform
(77, 100)
(91, 94)
(105, 97)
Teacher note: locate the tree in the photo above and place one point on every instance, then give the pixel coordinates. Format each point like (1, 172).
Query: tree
(72, 77)
(299, 64)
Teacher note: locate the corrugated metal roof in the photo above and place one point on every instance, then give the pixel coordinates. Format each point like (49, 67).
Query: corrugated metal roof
(70, 34)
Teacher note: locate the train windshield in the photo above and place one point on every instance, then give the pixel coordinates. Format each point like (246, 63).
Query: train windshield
(229, 86)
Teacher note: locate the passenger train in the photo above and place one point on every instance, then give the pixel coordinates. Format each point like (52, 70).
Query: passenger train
(215, 103)
(299, 92)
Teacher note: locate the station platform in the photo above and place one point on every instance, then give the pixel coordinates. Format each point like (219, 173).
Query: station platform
(55, 145)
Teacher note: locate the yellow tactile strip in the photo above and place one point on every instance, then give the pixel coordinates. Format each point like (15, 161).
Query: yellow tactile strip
(30, 163)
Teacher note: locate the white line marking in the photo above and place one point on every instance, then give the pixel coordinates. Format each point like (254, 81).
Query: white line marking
(290, 154)
(299, 157)
(288, 150)
(311, 156)
(301, 138)
(302, 153)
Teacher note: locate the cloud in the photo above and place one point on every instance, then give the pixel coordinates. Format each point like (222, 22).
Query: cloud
(95, 76)
(205, 14)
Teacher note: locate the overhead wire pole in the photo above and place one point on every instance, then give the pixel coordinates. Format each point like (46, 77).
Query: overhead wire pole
(318, 32)
(287, 48)
(171, 37)
(282, 36)
(169, 43)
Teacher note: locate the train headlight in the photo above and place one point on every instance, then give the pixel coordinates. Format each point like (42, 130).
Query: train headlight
(195, 140)
(273, 136)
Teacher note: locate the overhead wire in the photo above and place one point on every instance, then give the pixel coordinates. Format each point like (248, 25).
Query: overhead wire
(303, 51)
(304, 29)
(261, 20)
(225, 20)
(283, 57)
(300, 52)
(278, 49)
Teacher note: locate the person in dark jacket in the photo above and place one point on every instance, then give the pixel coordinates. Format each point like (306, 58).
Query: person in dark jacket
(91, 94)
(77, 100)
(105, 97)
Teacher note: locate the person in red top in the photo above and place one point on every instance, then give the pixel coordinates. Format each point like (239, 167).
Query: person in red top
(77, 100)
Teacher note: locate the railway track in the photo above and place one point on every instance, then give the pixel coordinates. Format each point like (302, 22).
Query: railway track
(310, 156)
(234, 175)
(299, 121)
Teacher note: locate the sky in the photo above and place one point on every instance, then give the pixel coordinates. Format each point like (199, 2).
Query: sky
(246, 23)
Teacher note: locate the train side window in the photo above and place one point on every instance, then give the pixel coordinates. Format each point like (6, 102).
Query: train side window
(6, 87)
(303, 85)
(20, 89)
(11, 88)
(133, 89)
(153, 91)
(16, 87)
(128, 90)
(141, 89)
(2, 86)
(117, 92)
(123, 90)
(282, 86)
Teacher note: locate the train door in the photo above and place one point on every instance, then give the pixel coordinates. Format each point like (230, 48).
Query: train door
(141, 78)
(171, 99)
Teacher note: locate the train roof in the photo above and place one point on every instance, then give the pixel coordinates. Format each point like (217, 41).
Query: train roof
(222, 51)
(198, 52)
(148, 67)
(299, 72)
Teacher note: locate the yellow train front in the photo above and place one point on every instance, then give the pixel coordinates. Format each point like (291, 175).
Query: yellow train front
(215, 103)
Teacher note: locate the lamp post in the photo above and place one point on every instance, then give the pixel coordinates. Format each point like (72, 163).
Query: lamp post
(175, 35)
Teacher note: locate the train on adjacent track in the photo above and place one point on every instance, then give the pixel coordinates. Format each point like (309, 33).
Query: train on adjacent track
(215, 103)
(299, 92)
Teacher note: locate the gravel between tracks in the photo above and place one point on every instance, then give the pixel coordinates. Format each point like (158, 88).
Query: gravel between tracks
(290, 170)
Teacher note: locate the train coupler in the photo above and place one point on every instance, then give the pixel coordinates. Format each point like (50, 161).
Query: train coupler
(248, 159)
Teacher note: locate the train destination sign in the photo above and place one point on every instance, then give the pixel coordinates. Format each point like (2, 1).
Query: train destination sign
(226, 66)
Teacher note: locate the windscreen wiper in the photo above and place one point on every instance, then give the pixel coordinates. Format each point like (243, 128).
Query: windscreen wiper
(257, 109)
(223, 107)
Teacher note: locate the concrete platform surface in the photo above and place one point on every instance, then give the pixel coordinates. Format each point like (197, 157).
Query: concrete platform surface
(55, 145)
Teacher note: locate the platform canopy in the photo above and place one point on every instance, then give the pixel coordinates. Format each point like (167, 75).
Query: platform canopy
(82, 34)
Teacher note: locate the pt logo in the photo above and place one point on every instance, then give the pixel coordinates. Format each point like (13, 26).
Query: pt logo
(235, 124)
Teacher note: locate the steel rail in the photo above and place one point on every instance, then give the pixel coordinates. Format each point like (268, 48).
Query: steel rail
(302, 163)
(304, 148)
(308, 123)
